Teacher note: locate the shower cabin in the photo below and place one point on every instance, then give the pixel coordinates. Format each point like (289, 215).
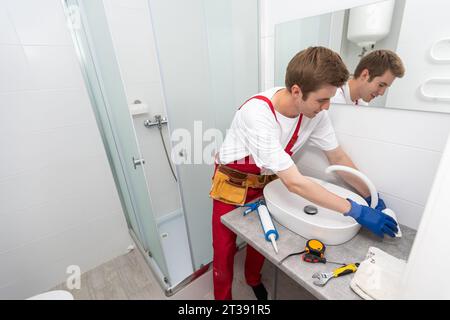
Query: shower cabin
(153, 69)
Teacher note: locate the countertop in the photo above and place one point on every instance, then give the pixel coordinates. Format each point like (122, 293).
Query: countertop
(250, 230)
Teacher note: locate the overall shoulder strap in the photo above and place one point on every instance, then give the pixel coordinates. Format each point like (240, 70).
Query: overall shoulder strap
(266, 100)
(294, 137)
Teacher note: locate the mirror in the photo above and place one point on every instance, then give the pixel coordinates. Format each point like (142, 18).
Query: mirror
(422, 44)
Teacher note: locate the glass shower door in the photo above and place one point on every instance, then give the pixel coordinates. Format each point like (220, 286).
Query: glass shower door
(103, 81)
(209, 62)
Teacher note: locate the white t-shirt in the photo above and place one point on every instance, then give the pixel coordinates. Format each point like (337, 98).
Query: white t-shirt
(343, 97)
(255, 131)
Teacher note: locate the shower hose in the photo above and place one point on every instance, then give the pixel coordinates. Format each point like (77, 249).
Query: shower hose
(167, 154)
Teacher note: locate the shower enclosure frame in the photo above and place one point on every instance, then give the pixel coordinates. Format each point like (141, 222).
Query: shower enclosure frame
(87, 51)
(78, 24)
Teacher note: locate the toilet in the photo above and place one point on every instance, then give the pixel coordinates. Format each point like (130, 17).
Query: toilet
(53, 295)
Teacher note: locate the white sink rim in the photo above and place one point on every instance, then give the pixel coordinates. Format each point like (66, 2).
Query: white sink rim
(329, 226)
(317, 225)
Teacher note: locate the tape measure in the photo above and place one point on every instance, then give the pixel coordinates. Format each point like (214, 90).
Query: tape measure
(315, 247)
(314, 253)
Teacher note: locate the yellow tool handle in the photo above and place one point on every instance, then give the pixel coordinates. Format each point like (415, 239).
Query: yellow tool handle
(350, 268)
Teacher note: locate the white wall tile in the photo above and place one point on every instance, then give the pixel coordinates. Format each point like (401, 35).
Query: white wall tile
(15, 73)
(8, 34)
(408, 213)
(270, 56)
(31, 111)
(419, 129)
(138, 65)
(130, 26)
(132, 34)
(39, 22)
(25, 226)
(60, 181)
(268, 85)
(262, 62)
(53, 67)
(150, 94)
(263, 18)
(130, 4)
(48, 148)
(399, 170)
(317, 172)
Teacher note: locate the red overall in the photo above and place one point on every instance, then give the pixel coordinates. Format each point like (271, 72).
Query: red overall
(224, 240)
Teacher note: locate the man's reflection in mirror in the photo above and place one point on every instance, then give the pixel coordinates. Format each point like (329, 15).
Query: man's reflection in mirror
(374, 74)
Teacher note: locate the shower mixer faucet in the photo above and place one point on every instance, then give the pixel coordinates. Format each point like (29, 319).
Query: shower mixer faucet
(159, 121)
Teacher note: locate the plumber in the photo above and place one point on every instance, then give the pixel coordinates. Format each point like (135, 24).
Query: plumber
(265, 132)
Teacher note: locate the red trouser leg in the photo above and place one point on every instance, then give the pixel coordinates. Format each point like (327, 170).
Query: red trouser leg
(224, 245)
(254, 262)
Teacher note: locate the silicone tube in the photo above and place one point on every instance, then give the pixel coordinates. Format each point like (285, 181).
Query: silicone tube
(270, 233)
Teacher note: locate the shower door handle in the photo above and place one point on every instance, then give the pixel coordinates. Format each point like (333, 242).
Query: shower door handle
(138, 162)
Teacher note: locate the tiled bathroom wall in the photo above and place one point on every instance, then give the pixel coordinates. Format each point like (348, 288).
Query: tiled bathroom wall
(399, 150)
(58, 202)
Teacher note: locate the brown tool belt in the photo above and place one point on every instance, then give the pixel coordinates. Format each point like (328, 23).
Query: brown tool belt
(252, 180)
(231, 185)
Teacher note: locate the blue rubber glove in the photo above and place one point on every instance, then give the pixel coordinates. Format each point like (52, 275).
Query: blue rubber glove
(374, 220)
(380, 206)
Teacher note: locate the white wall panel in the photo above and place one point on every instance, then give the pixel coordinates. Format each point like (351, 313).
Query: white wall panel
(58, 201)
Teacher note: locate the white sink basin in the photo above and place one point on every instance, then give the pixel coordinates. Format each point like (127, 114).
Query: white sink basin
(328, 226)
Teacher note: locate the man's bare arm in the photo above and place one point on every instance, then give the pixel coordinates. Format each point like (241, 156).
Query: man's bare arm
(296, 183)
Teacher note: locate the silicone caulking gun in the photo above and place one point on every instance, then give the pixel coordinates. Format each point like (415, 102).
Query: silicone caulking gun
(270, 233)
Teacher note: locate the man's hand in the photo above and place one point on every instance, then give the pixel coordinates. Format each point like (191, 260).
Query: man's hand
(380, 206)
(374, 220)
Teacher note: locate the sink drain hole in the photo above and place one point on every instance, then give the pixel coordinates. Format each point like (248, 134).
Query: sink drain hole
(311, 210)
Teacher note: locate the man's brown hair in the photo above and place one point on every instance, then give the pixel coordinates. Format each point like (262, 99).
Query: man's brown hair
(378, 62)
(314, 68)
